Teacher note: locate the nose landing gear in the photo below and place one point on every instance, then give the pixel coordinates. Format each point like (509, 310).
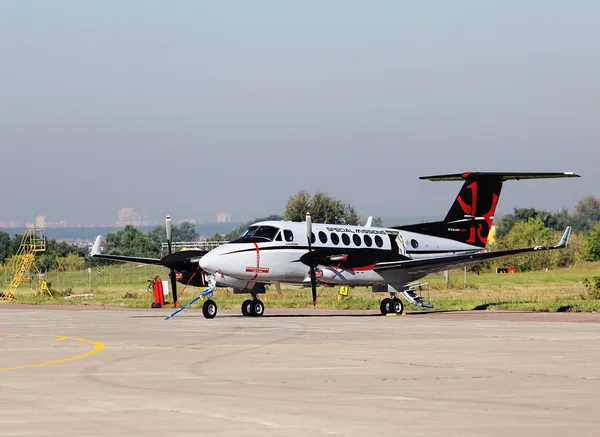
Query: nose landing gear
(209, 309)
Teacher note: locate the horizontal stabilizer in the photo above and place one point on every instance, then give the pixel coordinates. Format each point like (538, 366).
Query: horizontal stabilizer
(508, 176)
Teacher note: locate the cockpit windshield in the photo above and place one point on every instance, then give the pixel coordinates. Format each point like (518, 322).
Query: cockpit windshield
(255, 234)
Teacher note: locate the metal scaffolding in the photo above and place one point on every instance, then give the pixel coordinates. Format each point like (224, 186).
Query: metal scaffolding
(23, 266)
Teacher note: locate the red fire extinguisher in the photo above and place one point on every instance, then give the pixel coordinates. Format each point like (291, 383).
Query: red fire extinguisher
(159, 297)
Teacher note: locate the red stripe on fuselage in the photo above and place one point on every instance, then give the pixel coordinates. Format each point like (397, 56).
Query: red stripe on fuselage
(257, 265)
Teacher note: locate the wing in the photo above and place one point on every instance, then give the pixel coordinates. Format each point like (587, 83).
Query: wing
(177, 260)
(431, 265)
(96, 254)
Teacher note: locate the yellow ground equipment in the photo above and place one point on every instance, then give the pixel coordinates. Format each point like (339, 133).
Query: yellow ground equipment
(23, 265)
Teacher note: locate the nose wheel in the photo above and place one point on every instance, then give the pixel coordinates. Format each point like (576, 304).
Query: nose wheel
(253, 308)
(209, 309)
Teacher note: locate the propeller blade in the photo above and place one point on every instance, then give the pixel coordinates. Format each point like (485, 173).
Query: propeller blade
(311, 257)
(313, 284)
(173, 275)
(169, 227)
(309, 229)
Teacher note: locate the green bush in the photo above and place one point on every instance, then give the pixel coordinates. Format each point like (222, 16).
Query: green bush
(592, 286)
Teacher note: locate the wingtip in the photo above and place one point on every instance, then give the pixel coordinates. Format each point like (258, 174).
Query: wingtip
(565, 238)
(97, 246)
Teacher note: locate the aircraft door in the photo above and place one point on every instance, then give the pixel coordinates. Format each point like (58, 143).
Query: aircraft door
(401, 245)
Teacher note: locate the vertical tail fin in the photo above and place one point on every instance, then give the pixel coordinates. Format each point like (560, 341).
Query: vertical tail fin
(470, 217)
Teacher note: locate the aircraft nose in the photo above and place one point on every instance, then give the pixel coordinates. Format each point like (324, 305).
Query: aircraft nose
(207, 263)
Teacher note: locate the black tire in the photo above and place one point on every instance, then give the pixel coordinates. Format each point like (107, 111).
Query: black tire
(384, 306)
(209, 309)
(247, 308)
(396, 306)
(258, 308)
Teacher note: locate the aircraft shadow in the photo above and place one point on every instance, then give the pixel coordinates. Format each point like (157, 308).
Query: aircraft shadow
(288, 316)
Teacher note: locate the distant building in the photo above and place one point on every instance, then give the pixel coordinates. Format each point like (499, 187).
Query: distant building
(40, 222)
(128, 216)
(58, 224)
(224, 217)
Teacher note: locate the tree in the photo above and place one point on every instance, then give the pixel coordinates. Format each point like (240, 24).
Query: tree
(377, 222)
(4, 246)
(529, 233)
(322, 208)
(592, 246)
(297, 206)
(70, 262)
(573, 253)
(186, 231)
(15, 243)
(586, 214)
(217, 237)
(131, 242)
(557, 221)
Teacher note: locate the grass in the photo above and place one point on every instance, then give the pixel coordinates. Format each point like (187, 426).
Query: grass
(559, 290)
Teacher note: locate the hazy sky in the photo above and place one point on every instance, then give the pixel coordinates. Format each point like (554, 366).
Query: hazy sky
(195, 107)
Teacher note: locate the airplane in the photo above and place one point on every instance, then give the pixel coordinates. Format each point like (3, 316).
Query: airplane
(388, 259)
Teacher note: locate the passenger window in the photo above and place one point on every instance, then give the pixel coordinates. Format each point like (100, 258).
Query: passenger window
(414, 243)
(346, 239)
(368, 241)
(335, 239)
(288, 235)
(356, 239)
(322, 237)
(378, 241)
(313, 238)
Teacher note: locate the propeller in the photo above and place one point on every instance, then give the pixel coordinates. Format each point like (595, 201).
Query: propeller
(313, 277)
(172, 272)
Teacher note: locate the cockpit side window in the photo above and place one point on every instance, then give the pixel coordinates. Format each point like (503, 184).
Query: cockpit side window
(288, 235)
(255, 234)
(249, 230)
(278, 237)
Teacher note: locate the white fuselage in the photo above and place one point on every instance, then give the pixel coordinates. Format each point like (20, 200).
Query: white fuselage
(275, 257)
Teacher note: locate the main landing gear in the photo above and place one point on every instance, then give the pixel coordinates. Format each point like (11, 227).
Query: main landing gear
(253, 307)
(391, 305)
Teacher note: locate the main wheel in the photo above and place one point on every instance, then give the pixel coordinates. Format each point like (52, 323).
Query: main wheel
(209, 309)
(384, 306)
(247, 307)
(396, 306)
(258, 308)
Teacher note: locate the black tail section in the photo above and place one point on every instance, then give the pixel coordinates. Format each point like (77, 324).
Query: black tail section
(472, 213)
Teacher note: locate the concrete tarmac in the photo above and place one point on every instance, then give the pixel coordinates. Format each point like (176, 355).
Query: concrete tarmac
(100, 372)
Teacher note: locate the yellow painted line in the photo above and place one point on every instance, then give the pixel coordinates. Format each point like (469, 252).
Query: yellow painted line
(98, 346)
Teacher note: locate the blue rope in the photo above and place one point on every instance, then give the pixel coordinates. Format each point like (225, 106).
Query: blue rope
(204, 293)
